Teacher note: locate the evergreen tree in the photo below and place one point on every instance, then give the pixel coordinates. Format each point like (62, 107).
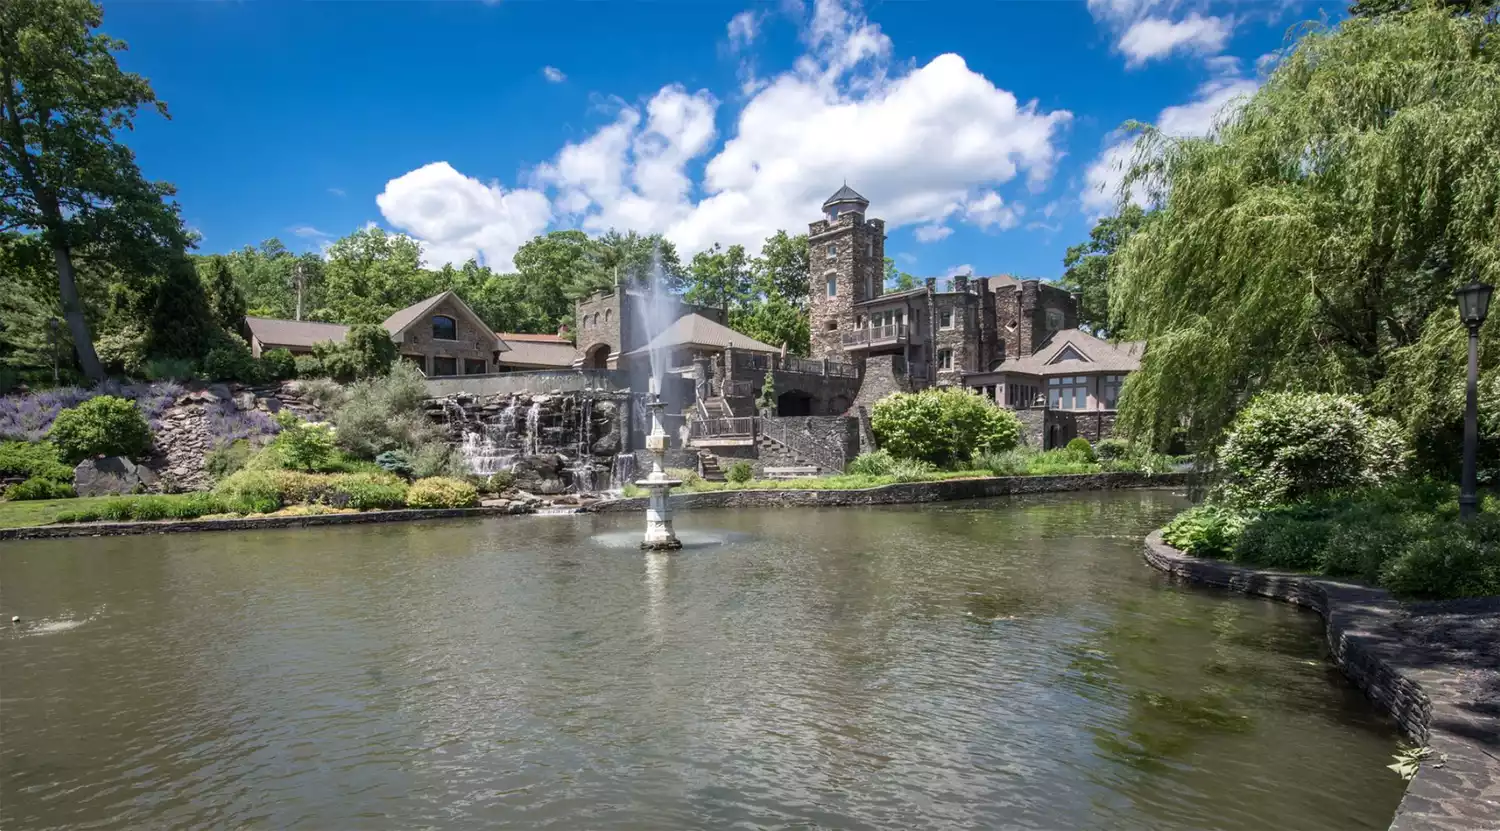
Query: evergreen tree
(224, 296)
(182, 323)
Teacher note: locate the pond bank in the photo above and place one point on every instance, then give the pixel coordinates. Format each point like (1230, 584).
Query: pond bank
(916, 492)
(1435, 667)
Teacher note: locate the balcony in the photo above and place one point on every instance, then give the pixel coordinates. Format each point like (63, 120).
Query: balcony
(876, 337)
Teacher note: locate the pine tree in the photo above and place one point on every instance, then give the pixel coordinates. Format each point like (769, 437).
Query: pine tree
(224, 295)
(182, 324)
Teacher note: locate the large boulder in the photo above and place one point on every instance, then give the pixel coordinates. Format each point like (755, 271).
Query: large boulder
(110, 476)
(541, 473)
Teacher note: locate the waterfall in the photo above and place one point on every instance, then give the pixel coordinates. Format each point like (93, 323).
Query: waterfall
(534, 429)
(622, 472)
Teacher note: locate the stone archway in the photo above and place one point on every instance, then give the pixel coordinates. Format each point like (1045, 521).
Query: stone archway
(596, 356)
(839, 405)
(794, 403)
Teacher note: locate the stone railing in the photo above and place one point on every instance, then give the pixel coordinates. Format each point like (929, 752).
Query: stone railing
(761, 362)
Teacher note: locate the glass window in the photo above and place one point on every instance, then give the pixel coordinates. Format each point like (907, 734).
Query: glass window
(945, 359)
(1068, 393)
(444, 328)
(1111, 391)
(833, 286)
(833, 250)
(945, 319)
(607, 314)
(474, 366)
(444, 366)
(418, 361)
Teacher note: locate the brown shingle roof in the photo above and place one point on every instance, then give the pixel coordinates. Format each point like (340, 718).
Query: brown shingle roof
(300, 333)
(697, 330)
(515, 336)
(539, 353)
(1076, 351)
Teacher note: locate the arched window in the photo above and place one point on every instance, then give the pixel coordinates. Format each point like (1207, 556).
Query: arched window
(444, 328)
(608, 313)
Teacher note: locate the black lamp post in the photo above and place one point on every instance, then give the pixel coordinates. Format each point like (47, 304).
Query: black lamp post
(1473, 308)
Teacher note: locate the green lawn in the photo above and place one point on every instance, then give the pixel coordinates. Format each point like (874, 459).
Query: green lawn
(43, 511)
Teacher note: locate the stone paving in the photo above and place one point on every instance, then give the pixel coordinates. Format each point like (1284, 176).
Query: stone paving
(1435, 667)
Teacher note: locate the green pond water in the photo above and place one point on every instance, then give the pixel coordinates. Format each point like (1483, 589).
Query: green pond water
(992, 664)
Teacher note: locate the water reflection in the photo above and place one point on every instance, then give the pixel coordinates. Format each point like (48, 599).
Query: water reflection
(982, 665)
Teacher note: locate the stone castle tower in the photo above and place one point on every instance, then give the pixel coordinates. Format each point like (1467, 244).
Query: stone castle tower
(846, 264)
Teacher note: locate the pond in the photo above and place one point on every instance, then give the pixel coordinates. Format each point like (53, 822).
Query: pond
(1001, 663)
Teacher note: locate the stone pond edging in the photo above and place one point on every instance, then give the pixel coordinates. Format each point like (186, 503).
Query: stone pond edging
(916, 492)
(1458, 785)
(907, 493)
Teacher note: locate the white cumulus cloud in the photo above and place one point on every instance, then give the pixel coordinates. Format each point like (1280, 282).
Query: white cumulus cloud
(1214, 101)
(554, 74)
(929, 145)
(457, 217)
(932, 233)
(1157, 37)
(742, 29)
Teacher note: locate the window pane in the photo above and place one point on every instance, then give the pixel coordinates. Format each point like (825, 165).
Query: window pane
(833, 286)
(1055, 399)
(444, 366)
(474, 366)
(444, 328)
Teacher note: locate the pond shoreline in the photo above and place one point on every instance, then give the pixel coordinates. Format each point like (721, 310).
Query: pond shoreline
(898, 494)
(1416, 662)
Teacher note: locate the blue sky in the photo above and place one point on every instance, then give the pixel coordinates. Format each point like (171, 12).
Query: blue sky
(982, 132)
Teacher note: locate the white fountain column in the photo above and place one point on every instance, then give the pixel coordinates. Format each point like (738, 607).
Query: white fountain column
(659, 533)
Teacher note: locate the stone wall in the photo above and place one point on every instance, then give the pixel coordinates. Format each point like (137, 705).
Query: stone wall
(1432, 698)
(474, 342)
(578, 433)
(830, 442)
(884, 375)
(858, 248)
(915, 492)
(547, 381)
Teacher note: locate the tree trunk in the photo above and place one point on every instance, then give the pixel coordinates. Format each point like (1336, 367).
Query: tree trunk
(67, 289)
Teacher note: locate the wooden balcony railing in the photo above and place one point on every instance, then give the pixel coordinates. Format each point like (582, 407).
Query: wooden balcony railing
(894, 334)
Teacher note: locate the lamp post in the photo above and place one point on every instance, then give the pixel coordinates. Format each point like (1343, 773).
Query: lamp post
(1473, 307)
(52, 343)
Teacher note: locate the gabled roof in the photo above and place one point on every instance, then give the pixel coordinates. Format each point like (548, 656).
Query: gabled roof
(845, 194)
(697, 330)
(1072, 351)
(403, 319)
(301, 333)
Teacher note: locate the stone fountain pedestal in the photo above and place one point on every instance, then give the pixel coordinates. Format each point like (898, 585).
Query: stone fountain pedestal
(659, 533)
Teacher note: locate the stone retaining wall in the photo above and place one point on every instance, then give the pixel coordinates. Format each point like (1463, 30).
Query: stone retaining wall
(1458, 786)
(913, 492)
(121, 529)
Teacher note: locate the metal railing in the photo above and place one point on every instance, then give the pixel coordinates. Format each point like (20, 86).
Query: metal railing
(761, 362)
(713, 428)
(893, 333)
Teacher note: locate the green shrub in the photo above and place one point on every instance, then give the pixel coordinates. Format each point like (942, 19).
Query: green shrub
(278, 365)
(251, 491)
(1112, 449)
(441, 492)
(911, 470)
(309, 366)
(397, 462)
(149, 508)
(1007, 463)
(690, 478)
(101, 426)
(303, 445)
(33, 459)
(39, 488)
(943, 426)
(1080, 448)
(124, 350)
(1204, 531)
(1361, 541)
(1289, 541)
(366, 491)
(1453, 559)
(500, 481)
(1285, 447)
(739, 473)
(386, 413)
(170, 369)
(876, 463)
(222, 461)
(230, 360)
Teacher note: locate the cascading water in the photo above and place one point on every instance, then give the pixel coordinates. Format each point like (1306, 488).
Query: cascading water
(534, 429)
(622, 471)
(582, 468)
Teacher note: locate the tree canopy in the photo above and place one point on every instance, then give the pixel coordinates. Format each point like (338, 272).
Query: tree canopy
(64, 174)
(1088, 267)
(1314, 239)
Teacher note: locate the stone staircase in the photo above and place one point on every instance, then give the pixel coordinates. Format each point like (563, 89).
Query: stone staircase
(782, 462)
(709, 464)
(717, 407)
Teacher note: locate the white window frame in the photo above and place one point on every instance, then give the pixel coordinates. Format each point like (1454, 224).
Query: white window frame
(833, 285)
(945, 359)
(833, 250)
(1072, 390)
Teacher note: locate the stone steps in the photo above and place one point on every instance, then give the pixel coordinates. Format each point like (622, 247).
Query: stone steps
(710, 464)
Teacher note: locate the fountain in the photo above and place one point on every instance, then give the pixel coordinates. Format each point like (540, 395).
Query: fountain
(659, 533)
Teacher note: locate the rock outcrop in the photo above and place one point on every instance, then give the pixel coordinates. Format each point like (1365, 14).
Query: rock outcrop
(112, 476)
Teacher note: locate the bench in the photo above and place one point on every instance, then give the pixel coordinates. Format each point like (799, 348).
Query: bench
(802, 472)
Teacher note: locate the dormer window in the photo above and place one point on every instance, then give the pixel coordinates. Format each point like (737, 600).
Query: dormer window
(444, 328)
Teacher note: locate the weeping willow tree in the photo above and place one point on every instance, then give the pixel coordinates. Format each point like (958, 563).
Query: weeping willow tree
(1313, 240)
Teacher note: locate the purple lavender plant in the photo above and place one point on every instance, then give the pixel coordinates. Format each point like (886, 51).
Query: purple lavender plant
(28, 417)
(227, 424)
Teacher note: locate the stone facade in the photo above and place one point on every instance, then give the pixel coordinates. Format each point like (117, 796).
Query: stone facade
(848, 251)
(472, 352)
(830, 442)
(611, 323)
(884, 375)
